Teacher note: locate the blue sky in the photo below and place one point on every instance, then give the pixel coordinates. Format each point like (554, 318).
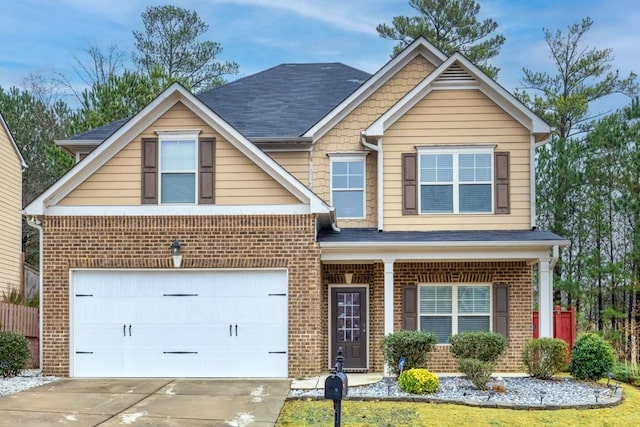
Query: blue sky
(43, 36)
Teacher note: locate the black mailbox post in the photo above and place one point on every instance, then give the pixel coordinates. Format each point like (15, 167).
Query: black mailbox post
(335, 387)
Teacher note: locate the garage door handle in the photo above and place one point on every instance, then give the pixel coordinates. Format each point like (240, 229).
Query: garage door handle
(236, 330)
(129, 330)
(124, 330)
(230, 330)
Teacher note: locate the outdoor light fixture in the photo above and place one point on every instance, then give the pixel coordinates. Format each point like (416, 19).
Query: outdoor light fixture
(176, 254)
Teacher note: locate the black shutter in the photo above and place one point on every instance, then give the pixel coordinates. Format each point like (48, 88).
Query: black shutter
(502, 182)
(410, 307)
(206, 171)
(149, 171)
(409, 184)
(501, 309)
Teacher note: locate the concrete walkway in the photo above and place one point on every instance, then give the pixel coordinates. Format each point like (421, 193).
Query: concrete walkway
(137, 402)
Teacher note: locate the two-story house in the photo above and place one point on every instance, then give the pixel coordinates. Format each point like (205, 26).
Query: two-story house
(253, 229)
(11, 167)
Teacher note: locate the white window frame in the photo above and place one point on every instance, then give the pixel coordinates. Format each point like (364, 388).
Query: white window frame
(178, 136)
(455, 153)
(454, 305)
(351, 157)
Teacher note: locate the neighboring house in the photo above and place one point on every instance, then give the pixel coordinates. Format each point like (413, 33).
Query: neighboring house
(315, 206)
(11, 166)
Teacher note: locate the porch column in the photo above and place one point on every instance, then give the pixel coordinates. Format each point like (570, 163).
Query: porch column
(388, 296)
(545, 300)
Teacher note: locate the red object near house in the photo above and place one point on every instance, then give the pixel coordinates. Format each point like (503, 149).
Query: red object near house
(564, 325)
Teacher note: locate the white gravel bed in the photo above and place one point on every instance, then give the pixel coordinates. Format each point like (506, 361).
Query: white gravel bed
(28, 379)
(519, 392)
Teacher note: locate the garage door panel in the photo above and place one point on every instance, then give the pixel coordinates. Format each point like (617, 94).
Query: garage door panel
(180, 323)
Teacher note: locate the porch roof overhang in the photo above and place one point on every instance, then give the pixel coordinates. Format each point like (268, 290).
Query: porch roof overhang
(369, 245)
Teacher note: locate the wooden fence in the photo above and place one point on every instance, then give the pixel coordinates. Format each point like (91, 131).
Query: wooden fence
(24, 320)
(564, 325)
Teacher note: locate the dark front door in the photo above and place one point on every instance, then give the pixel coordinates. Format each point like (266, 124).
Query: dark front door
(348, 326)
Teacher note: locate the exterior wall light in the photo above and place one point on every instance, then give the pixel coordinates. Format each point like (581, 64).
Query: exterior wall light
(176, 254)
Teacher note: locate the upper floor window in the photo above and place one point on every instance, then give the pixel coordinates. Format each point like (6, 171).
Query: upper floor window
(458, 181)
(446, 310)
(348, 186)
(178, 168)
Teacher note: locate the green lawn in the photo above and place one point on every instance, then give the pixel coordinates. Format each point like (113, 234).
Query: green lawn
(381, 413)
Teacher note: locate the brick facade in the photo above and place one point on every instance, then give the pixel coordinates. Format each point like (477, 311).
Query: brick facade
(516, 274)
(269, 241)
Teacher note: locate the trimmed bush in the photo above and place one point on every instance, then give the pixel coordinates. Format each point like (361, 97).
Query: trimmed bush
(476, 354)
(544, 357)
(626, 372)
(591, 357)
(478, 371)
(484, 346)
(418, 381)
(414, 345)
(14, 353)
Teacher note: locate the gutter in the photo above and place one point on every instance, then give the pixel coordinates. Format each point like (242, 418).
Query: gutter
(556, 244)
(380, 161)
(35, 223)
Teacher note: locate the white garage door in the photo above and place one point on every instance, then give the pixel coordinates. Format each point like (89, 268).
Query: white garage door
(179, 323)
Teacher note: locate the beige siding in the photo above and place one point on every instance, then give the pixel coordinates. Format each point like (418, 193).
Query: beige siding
(10, 218)
(238, 180)
(457, 117)
(345, 136)
(296, 163)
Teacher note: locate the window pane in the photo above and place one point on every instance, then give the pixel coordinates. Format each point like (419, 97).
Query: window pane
(473, 299)
(356, 167)
(356, 181)
(339, 168)
(473, 324)
(438, 325)
(475, 167)
(436, 198)
(339, 181)
(178, 188)
(348, 204)
(475, 198)
(435, 299)
(178, 156)
(436, 168)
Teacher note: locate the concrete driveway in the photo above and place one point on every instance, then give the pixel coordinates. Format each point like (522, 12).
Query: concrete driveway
(147, 402)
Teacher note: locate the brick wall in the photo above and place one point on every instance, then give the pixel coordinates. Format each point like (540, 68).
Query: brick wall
(207, 242)
(516, 274)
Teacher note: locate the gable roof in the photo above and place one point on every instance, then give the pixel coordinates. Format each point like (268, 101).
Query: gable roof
(12, 141)
(458, 72)
(420, 46)
(281, 102)
(133, 127)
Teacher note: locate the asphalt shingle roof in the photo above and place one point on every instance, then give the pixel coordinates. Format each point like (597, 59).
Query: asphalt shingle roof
(372, 235)
(281, 102)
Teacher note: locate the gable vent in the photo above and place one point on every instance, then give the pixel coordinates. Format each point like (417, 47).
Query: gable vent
(455, 74)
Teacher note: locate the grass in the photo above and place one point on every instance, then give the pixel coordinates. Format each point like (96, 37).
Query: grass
(381, 414)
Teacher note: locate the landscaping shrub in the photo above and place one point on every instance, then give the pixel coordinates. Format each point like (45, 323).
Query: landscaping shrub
(418, 381)
(484, 346)
(591, 357)
(478, 371)
(476, 354)
(626, 372)
(544, 357)
(414, 345)
(14, 353)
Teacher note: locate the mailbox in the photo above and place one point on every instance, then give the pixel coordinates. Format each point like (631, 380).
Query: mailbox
(333, 387)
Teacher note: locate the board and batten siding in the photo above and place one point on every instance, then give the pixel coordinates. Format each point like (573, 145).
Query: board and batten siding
(10, 217)
(457, 117)
(238, 180)
(345, 136)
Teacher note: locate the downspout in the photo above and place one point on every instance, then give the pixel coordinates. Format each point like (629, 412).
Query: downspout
(554, 259)
(532, 179)
(380, 161)
(35, 223)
